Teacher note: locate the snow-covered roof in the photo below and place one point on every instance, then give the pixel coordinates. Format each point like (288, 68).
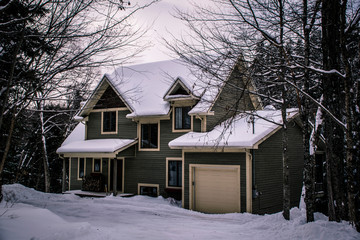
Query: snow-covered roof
(96, 146)
(78, 134)
(246, 130)
(143, 86)
(76, 143)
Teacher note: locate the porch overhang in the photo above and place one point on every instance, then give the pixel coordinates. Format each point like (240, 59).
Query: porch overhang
(96, 148)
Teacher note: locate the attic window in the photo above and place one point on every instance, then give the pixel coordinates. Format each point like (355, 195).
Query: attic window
(109, 122)
(182, 118)
(180, 91)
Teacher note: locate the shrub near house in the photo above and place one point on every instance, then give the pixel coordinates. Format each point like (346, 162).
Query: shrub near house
(155, 129)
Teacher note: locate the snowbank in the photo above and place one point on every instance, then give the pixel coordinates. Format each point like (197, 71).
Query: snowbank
(29, 214)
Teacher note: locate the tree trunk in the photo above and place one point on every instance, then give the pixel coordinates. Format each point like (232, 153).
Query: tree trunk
(305, 116)
(333, 100)
(44, 151)
(8, 142)
(350, 165)
(286, 174)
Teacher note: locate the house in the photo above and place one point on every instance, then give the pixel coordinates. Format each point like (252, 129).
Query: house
(156, 129)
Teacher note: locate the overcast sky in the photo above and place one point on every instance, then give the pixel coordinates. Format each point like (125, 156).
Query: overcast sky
(159, 18)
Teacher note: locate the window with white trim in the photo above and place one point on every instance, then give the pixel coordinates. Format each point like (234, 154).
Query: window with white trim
(97, 165)
(81, 168)
(151, 190)
(109, 122)
(174, 173)
(182, 118)
(149, 136)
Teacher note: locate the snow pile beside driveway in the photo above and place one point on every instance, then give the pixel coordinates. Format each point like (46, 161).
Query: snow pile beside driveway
(29, 214)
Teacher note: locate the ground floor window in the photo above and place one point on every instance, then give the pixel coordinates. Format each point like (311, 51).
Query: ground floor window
(81, 168)
(97, 165)
(174, 172)
(151, 190)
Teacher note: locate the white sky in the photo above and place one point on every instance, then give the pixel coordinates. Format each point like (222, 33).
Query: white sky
(159, 18)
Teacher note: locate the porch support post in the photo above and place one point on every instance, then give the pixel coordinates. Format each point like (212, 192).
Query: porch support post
(63, 189)
(115, 177)
(248, 182)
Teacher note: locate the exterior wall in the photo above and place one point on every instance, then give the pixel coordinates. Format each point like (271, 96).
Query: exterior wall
(76, 184)
(232, 97)
(150, 166)
(140, 166)
(268, 171)
(126, 127)
(219, 159)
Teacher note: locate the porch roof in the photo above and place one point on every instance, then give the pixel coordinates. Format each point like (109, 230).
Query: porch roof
(76, 143)
(245, 131)
(97, 146)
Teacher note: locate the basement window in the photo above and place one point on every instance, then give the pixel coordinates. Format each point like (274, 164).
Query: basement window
(151, 190)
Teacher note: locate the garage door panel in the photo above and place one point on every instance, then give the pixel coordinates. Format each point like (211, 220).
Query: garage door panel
(216, 189)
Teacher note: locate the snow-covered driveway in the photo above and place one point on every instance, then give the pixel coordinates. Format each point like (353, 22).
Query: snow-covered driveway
(36, 215)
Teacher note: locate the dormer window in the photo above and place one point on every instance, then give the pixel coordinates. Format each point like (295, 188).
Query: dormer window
(109, 122)
(182, 118)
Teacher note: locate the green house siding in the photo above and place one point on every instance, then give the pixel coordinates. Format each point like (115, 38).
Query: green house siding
(74, 182)
(140, 166)
(268, 171)
(150, 166)
(217, 159)
(231, 98)
(126, 127)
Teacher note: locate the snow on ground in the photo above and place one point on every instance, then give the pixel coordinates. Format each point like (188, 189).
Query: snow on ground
(29, 214)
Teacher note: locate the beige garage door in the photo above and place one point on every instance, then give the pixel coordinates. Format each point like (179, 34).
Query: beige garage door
(215, 188)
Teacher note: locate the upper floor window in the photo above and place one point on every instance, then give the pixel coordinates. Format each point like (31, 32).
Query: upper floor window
(182, 118)
(109, 122)
(149, 136)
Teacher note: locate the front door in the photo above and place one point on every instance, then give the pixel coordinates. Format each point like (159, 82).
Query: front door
(119, 175)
